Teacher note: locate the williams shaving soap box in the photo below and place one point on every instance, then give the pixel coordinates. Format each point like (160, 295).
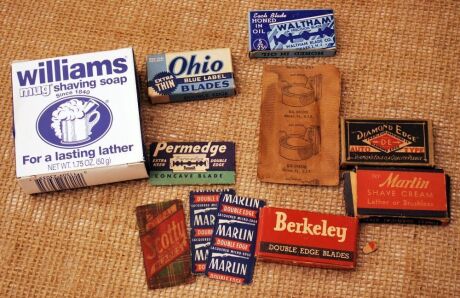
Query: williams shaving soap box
(76, 121)
(194, 75)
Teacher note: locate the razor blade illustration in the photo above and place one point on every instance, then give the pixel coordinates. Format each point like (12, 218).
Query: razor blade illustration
(198, 211)
(189, 163)
(223, 221)
(224, 255)
(202, 245)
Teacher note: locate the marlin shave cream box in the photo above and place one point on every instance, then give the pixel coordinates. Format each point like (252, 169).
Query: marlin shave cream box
(195, 75)
(76, 121)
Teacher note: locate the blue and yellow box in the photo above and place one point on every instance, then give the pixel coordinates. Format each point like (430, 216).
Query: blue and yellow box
(195, 75)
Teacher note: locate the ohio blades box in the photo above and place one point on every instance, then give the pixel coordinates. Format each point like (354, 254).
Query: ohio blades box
(194, 75)
(192, 163)
(387, 142)
(76, 121)
(307, 238)
(291, 33)
(398, 195)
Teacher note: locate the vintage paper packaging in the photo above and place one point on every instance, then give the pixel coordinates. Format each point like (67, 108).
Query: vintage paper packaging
(76, 121)
(291, 33)
(307, 238)
(203, 213)
(194, 75)
(299, 126)
(164, 243)
(387, 142)
(231, 255)
(398, 195)
(189, 163)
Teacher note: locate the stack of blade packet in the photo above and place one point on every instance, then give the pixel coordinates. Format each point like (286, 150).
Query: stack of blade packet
(223, 234)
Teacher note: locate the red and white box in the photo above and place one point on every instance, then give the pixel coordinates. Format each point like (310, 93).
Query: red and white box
(398, 195)
(307, 238)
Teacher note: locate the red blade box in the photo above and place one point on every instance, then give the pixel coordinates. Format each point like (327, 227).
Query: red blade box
(307, 238)
(397, 195)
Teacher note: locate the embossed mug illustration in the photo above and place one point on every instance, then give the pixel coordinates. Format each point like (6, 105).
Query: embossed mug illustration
(74, 120)
(301, 90)
(300, 146)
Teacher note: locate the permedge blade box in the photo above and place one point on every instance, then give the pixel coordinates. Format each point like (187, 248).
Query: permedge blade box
(307, 238)
(76, 121)
(291, 33)
(194, 75)
(387, 195)
(387, 142)
(192, 163)
(231, 255)
(203, 213)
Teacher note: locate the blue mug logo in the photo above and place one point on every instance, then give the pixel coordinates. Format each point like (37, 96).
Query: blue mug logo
(74, 122)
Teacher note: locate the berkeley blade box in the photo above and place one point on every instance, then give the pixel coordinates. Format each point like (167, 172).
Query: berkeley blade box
(76, 121)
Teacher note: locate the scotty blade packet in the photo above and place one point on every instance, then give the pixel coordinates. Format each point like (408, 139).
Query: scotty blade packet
(164, 244)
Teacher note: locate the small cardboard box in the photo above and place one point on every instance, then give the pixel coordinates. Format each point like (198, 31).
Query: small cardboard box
(307, 238)
(387, 142)
(398, 195)
(194, 75)
(291, 33)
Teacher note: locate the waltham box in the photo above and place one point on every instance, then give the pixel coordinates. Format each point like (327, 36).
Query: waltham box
(291, 33)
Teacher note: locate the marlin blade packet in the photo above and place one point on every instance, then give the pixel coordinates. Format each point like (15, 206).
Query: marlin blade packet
(291, 33)
(307, 238)
(76, 121)
(231, 256)
(192, 163)
(299, 125)
(195, 75)
(398, 195)
(164, 243)
(203, 213)
(387, 142)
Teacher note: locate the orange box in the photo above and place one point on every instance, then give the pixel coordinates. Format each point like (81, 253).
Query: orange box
(307, 238)
(398, 195)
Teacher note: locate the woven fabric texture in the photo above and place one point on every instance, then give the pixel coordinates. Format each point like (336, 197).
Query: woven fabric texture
(397, 59)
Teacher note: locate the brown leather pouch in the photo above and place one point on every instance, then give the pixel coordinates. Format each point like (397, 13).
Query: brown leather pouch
(299, 126)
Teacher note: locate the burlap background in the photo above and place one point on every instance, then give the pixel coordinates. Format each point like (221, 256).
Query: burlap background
(397, 60)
